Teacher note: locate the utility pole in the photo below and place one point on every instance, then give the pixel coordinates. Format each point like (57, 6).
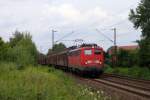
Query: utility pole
(114, 49)
(114, 29)
(53, 31)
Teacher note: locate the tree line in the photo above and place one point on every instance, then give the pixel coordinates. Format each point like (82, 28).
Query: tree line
(20, 49)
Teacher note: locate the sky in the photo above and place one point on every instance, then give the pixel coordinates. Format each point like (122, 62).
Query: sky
(72, 19)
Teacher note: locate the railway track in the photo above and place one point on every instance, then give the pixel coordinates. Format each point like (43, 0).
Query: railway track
(127, 78)
(136, 83)
(142, 92)
(131, 88)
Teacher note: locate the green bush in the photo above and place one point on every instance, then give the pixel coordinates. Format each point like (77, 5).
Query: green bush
(123, 71)
(134, 71)
(127, 58)
(108, 69)
(139, 72)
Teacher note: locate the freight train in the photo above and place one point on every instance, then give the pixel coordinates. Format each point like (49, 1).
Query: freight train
(87, 59)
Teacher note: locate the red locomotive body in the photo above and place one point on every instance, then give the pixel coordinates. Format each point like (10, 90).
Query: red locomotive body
(87, 59)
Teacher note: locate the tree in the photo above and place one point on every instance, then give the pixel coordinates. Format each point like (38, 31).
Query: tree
(17, 37)
(123, 58)
(57, 48)
(22, 50)
(127, 58)
(141, 19)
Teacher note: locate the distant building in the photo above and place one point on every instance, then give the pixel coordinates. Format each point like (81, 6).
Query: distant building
(128, 48)
(111, 52)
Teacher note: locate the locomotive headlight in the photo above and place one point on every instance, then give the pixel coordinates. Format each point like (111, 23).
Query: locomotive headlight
(96, 61)
(88, 62)
(100, 62)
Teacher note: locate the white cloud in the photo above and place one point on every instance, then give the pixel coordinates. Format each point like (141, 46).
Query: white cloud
(39, 16)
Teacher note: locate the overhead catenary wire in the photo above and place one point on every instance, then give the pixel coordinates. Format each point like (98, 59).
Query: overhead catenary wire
(118, 23)
(123, 34)
(115, 15)
(104, 35)
(67, 35)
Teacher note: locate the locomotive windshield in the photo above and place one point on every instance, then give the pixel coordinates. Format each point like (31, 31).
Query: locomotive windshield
(88, 52)
(97, 52)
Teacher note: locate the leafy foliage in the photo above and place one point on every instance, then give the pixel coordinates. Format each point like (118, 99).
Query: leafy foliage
(127, 58)
(57, 48)
(141, 19)
(20, 49)
(18, 36)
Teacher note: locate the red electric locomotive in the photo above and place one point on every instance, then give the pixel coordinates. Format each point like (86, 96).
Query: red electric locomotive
(86, 59)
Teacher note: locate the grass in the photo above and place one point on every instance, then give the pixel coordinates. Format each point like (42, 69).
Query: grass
(41, 83)
(135, 72)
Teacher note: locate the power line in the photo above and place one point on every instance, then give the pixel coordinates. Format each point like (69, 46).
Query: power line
(118, 23)
(53, 31)
(123, 20)
(123, 34)
(114, 56)
(67, 35)
(104, 35)
(116, 14)
(66, 40)
(114, 29)
(115, 48)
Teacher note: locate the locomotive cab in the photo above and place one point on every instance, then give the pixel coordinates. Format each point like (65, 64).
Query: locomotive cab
(92, 60)
(93, 57)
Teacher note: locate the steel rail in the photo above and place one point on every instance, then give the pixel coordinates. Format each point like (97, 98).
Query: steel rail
(127, 78)
(128, 88)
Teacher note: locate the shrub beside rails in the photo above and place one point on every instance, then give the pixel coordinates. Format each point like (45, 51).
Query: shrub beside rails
(87, 59)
